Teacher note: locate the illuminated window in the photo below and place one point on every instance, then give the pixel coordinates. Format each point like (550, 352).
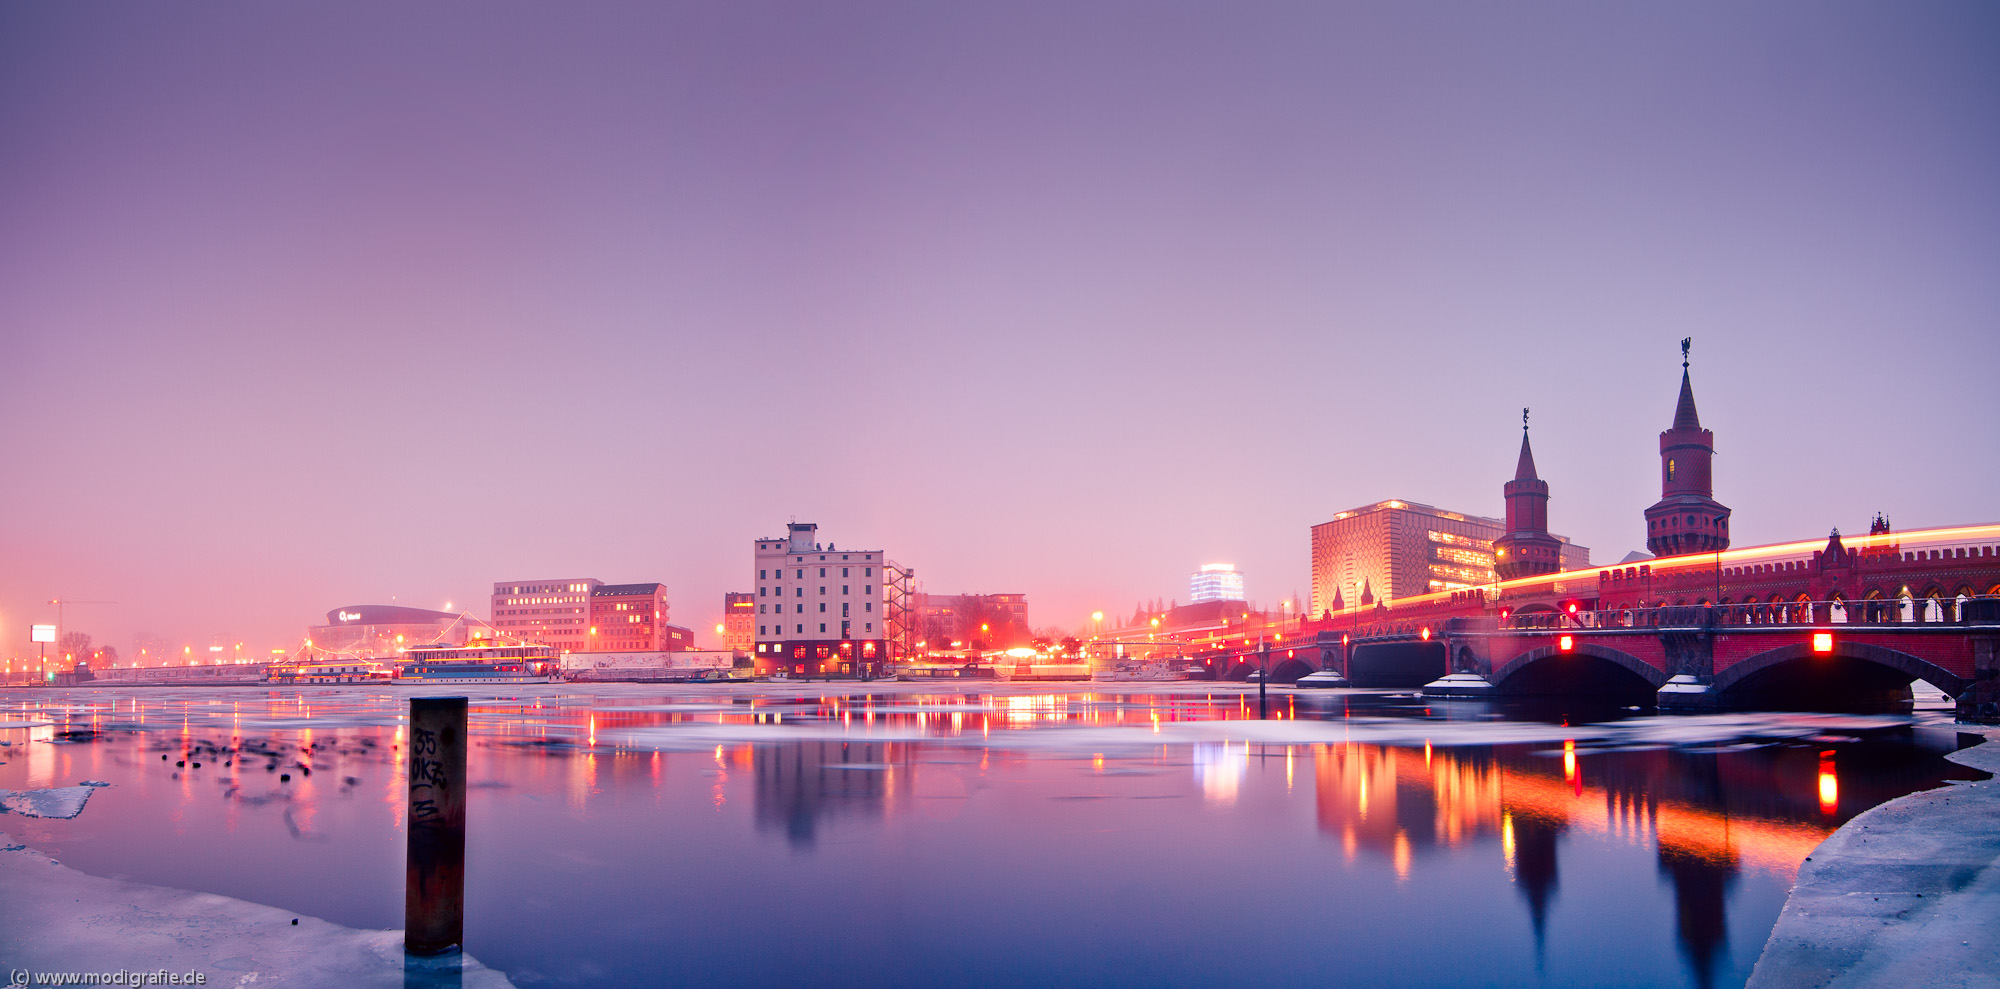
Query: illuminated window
(1670, 468)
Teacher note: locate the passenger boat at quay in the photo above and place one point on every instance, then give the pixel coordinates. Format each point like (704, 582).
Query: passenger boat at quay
(327, 671)
(479, 663)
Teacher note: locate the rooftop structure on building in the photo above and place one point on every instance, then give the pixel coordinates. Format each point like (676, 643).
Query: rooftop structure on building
(1216, 582)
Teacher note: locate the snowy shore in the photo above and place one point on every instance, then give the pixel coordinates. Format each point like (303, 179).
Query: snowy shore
(1905, 895)
(54, 919)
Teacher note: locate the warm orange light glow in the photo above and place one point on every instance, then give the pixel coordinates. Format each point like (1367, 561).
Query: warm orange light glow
(1829, 784)
(1822, 642)
(1426, 634)
(1566, 643)
(1569, 760)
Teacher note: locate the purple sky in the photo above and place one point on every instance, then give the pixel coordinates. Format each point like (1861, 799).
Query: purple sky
(302, 308)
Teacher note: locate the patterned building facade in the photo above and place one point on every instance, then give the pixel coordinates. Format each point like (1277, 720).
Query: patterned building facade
(1394, 549)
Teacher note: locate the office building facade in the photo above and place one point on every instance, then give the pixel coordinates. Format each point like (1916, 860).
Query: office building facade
(1215, 582)
(1398, 549)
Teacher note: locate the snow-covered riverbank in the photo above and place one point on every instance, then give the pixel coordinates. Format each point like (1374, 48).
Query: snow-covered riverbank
(1905, 895)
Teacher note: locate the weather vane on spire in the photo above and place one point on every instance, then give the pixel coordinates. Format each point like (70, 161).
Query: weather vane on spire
(1524, 418)
(1685, 343)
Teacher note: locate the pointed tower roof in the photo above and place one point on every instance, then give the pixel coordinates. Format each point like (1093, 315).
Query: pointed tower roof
(1525, 469)
(1684, 413)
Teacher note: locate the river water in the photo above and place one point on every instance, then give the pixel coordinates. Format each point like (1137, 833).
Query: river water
(911, 835)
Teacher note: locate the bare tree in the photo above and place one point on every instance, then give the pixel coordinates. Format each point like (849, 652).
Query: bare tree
(75, 644)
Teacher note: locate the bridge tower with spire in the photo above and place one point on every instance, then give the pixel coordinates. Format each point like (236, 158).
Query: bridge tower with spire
(1687, 518)
(1526, 548)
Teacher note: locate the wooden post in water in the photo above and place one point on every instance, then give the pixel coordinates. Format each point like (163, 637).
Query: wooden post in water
(434, 885)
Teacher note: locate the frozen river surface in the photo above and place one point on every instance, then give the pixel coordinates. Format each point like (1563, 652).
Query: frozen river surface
(903, 834)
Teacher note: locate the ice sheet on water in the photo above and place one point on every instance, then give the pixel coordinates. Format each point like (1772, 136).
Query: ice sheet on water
(58, 919)
(1664, 730)
(62, 802)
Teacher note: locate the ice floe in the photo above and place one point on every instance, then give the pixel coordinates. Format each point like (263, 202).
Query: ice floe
(63, 802)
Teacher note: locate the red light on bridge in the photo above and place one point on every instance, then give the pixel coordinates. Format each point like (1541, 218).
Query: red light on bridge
(1566, 644)
(1822, 642)
(1572, 607)
(1426, 635)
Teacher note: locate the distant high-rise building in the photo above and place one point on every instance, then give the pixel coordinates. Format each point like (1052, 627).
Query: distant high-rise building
(548, 612)
(1398, 549)
(739, 621)
(1216, 582)
(819, 610)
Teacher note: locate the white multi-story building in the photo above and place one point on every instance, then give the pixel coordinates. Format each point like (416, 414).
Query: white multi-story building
(819, 609)
(1216, 582)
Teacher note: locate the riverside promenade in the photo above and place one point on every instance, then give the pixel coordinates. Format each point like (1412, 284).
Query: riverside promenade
(1905, 895)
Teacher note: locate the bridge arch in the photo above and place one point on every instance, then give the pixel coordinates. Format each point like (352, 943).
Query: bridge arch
(1290, 670)
(1859, 671)
(1602, 670)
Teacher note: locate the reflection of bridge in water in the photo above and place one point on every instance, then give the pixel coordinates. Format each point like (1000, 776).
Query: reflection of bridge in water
(1708, 815)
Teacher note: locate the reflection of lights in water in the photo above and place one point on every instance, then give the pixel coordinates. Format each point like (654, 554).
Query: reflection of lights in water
(1401, 854)
(1427, 751)
(1569, 760)
(1348, 844)
(1220, 771)
(1288, 769)
(1097, 761)
(1829, 784)
(1507, 841)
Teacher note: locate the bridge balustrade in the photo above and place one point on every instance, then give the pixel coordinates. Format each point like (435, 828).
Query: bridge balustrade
(1885, 611)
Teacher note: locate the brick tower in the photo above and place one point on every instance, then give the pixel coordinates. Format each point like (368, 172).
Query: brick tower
(1526, 548)
(1687, 518)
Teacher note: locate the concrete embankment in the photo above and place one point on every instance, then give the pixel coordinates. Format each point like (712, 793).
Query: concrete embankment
(1905, 895)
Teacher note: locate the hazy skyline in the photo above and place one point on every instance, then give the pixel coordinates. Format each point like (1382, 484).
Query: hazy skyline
(303, 308)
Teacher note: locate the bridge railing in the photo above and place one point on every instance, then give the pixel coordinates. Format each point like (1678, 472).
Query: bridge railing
(1876, 612)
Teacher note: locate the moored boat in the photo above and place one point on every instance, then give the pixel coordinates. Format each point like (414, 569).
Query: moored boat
(479, 663)
(325, 671)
